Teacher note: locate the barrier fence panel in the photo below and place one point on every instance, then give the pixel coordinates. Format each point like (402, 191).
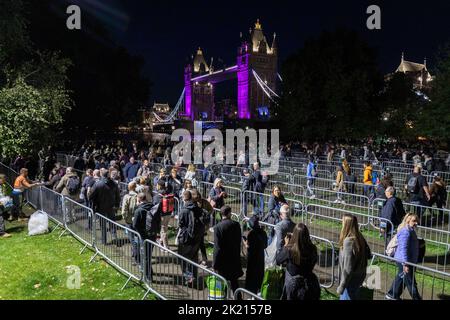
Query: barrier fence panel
(326, 222)
(254, 203)
(119, 245)
(338, 199)
(33, 196)
(175, 277)
(431, 284)
(11, 174)
(52, 204)
(78, 221)
(434, 222)
(244, 294)
(233, 198)
(326, 258)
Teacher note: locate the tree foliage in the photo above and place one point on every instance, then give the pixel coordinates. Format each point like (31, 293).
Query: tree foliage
(435, 119)
(33, 94)
(401, 108)
(329, 88)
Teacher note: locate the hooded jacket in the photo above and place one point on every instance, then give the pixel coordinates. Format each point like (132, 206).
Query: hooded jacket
(140, 220)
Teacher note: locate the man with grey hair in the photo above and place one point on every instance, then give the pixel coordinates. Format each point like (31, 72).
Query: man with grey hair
(393, 211)
(69, 185)
(285, 226)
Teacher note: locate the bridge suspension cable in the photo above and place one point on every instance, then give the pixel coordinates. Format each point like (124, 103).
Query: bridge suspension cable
(174, 111)
(266, 89)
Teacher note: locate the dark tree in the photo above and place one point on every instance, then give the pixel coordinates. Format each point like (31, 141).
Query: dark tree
(106, 81)
(401, 108)
(435, 119)
(329, 89)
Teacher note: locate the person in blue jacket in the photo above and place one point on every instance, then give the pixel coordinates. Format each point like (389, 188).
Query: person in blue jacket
(407, 252)
(131, 169)
(311, 174)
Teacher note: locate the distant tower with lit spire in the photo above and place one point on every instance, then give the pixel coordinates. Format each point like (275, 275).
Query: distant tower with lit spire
(256, 54)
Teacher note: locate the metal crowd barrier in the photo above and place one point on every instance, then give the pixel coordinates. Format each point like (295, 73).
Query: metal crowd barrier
(431, 284)
(52, 204)
(10, 174)
(234, 196)
(32, 196)
(434, 222)
(79, 222)
(244, 294)
(326, 222)
(118, 245)
(175, 277)
(340, 199)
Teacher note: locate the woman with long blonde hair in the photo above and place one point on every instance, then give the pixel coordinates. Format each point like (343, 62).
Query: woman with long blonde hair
(407, 252)
(353, 255)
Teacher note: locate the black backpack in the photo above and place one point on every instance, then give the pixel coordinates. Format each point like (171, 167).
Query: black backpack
(196, 224)
(73, 185)
(153, 220)
(413, 184)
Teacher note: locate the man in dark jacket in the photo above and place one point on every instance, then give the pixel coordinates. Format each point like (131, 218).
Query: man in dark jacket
(227, 248)
(393, 211)
(131, 169)
(147, 222)
(105, 198)
(192, 229)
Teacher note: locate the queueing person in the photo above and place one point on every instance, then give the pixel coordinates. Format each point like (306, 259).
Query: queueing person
(227, 248)
(299, 256)
(407, 252)
(255, 242)
(353, 255)
(190, 236)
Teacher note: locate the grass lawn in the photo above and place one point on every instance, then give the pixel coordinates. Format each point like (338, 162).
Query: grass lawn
(36, 268)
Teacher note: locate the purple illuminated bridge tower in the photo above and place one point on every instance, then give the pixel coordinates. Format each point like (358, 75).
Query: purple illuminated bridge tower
(254, 55)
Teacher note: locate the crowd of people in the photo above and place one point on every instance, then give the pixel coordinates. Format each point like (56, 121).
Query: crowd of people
(149, 206)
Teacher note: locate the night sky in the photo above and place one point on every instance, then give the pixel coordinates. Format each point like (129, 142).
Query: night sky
(166, 33)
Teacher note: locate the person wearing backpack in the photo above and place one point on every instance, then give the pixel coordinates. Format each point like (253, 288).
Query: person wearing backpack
(407, 251)
(129, 204)
(69, 185)
(417, 188)
(190, 236)
(166, 201)
(146, 222)
(353, 255)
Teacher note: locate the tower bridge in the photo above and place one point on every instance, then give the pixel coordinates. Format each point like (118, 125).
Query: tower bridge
(256, 73)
